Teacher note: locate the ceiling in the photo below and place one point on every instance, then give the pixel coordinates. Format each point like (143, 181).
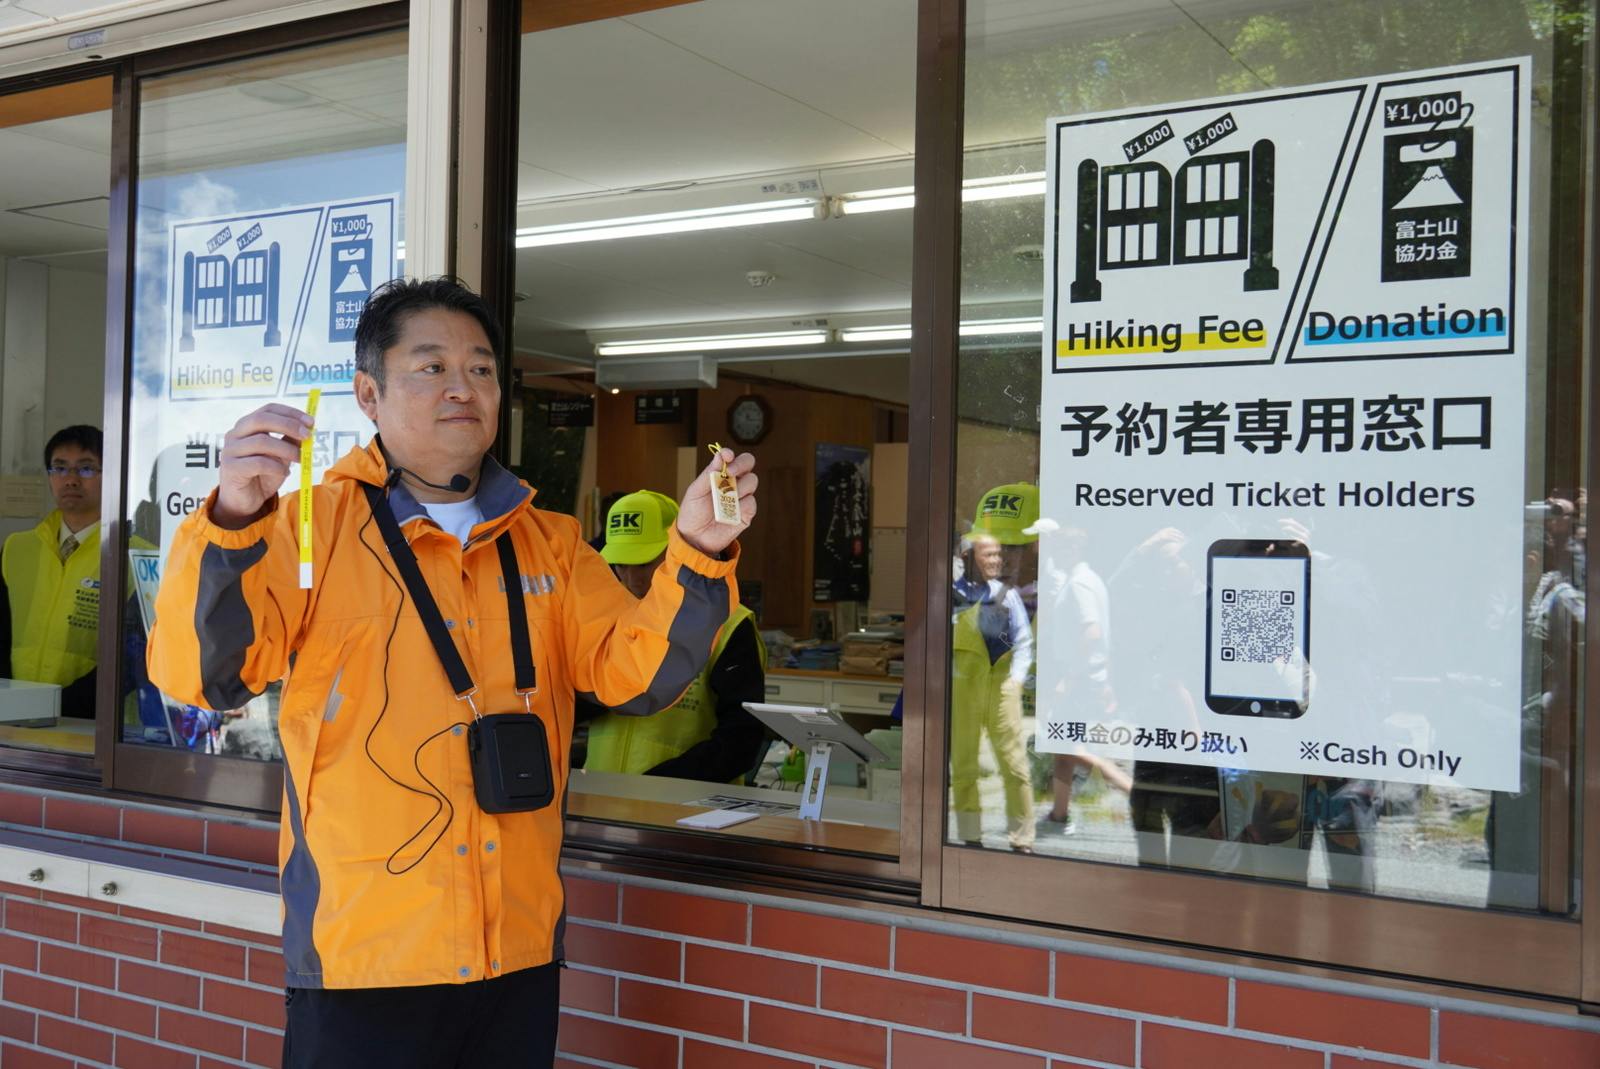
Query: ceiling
(707, 103)
(54, 176)
(714, 102)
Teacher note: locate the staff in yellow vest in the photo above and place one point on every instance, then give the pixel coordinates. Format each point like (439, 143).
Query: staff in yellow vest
(707, 734)
(50, 631)
(991, 660)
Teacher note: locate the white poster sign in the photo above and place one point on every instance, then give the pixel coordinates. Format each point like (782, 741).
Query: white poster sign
(265, 305)
(1283, 406)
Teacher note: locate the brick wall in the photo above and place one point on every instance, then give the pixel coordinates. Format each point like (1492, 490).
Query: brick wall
(87, 983)
(667, 977)
(663, 977)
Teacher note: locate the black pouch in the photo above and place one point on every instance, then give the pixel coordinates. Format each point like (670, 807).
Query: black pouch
(510, 763)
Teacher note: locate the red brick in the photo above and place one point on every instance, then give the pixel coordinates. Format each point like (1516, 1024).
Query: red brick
(812, 1034)
(235, 1002)
(592, 991)
(123, 1014)
(813, 936)
(265, 967)
(164, 829)
(1496, 1043)
(15, 1023)
(1345, 1061)
(201, 1033)
(16, 808)
(241, 935)
(972, 961)
(21, 1058)
(698, 1054)
(263, 1048)
(163, 985)
(593, 900)
(668, 911)
(83, 818)
(624, 951)
(674, 1007)
(1053, 1028)
(78, 902)
(119, 937)
(1147, 989)
(79, 966)
(1337, 1020)
(940, 1009)
(928, 1052)
(137, 1054)
(259, 845)
(18, 952)
(166, 920)
(21, 989)
(1164, 1047)
(38, 919)
(19, 890)
(617, 1043)
(750, 974)
(202, 955)
(70, 1037)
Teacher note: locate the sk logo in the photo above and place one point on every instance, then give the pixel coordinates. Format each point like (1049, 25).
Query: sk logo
(627, 521)
(1055, 730)
(1002, 505)
(1308, 751)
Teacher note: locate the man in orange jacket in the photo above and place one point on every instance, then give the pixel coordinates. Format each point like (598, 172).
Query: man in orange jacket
(419, 928)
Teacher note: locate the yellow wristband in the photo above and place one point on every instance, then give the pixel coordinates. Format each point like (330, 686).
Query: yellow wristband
(305, 492)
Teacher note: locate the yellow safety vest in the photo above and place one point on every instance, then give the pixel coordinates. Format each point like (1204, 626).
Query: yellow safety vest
(639, 743)
(55, 605)
(975, 681)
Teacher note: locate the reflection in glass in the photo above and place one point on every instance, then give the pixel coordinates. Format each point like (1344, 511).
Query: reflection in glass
(1360, 832)
(54, 174)
(267, 207)
(713, 232)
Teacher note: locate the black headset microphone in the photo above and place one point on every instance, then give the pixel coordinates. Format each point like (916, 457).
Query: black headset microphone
(458, 484)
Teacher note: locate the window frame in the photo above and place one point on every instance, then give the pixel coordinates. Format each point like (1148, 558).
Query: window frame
(130, 767)
(1556, 957)
(52, 765)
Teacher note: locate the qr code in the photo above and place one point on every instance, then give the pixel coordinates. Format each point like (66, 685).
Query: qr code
(1257, 626)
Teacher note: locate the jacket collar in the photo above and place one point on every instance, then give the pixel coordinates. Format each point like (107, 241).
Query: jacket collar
(500, 493)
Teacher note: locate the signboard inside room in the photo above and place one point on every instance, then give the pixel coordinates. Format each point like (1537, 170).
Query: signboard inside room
(1283, 390)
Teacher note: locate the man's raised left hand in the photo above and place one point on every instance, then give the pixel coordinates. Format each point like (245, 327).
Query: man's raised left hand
(697, 521)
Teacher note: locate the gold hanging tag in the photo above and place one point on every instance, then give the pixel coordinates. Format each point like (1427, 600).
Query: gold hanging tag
(724, 491)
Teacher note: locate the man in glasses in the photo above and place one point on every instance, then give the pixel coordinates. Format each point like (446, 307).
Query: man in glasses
(52, 578)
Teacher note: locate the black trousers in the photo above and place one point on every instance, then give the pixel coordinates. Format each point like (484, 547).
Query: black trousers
(508, 1021)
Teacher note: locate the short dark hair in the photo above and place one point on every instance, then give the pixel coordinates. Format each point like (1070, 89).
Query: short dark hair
(81, 435)
(386, 311)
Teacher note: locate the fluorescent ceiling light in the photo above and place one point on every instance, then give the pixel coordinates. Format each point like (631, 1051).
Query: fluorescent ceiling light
(861, 334)
(979, 328)
(633, 226)
(774, 339)
(1003, 187)
(877, 200)
(976, 328)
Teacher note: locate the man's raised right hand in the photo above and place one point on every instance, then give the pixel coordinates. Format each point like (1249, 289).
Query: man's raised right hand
(256, 455)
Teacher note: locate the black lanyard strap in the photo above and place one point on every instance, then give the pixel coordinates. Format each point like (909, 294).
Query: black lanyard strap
(428, 609)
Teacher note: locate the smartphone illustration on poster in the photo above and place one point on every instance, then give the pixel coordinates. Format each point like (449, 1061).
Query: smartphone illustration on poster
(1258, 627)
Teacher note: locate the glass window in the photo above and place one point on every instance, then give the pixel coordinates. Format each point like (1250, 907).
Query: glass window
(714, 245)
(269, 204)
(55, 148)
(1318, 665)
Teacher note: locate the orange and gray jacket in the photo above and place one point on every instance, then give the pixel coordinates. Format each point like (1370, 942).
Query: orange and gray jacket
(391, 874)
